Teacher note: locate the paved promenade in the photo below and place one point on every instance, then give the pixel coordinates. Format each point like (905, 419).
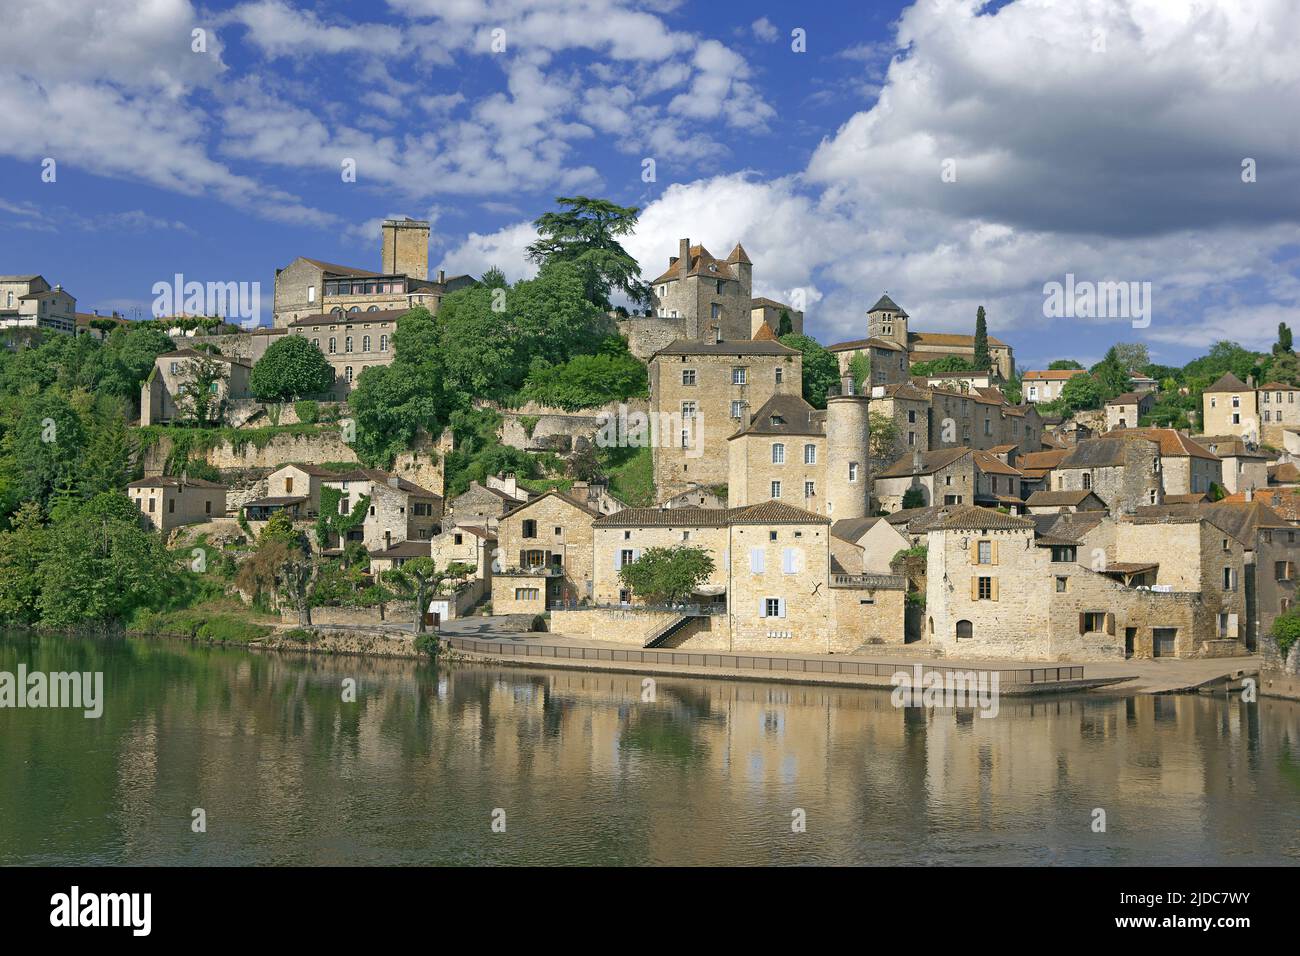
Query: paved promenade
(869, 667)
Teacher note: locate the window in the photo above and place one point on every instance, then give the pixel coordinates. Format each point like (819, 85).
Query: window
(1283, 570)
(965, 631)
(171, 506)
(152, 503)
(778, 453)
(626, 557)
(334, 345)
(810, 454)
(1064, 553)
(365, 343)
(780, 375)
(347, 344)
(316, 342)
(776, 489)
(347, 374)
(1087, 481)
(207, 507)
(984, 553)
(715, 310)
(853, 471)
(1093, 622)
(288, 485)
(1062, 585)
(526, 594)
(688, 409)
(772, 607)
(809, 490)
(737, 409)
(984, 589)
(911, 417)
(738, 376)
(688, 376)
(1229, 579)
(530, 528)
(176, 366)
(458, 539)
(383, 343)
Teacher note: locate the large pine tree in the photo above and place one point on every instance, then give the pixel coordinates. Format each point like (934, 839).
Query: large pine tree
(982, 358)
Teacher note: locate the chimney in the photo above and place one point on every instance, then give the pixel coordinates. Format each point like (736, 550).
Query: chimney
(1250, 493)
(394, 481)
(442, 277)
(684, 256)
(1250, 381)
(918, 462)
(717, 333)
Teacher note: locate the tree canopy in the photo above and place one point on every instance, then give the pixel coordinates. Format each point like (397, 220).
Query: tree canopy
(290, 369)
(585, 234)
(821, 369)
(667, 575)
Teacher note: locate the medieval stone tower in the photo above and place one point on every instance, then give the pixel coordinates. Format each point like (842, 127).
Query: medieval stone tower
(848, 431)
(886, 320)
(406, 248)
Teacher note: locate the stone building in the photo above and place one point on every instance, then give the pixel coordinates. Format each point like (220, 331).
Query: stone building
(700, 393)
(168, 502)
(1063, 502)
(162, 392)
(1045, 385)
(893, 348)
(704, 299)
(308, 287)
(772, 586)
(908, 407)
(1126, 411)
(996, 588)
(946, 476)
(770, 313)
(1186, 467)
(997, 484)
(351, 342)
(872, 542)
(792, 451)
(28, 302)
(545, 555)
(484, 505)
(1244, 465)
(1231, 407)
(398, 510)
(1125, 472)
(299, 480)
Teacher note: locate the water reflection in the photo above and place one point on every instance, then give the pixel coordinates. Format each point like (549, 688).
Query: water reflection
(708, 773)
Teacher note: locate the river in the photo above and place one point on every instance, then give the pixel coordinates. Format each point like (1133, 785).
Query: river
(470, 764)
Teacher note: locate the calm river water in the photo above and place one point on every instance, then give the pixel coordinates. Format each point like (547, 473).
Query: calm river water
(711, 772)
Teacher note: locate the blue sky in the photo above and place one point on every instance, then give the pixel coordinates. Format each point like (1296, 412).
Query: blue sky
(951, 152)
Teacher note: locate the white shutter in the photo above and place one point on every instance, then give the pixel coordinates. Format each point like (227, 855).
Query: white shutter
(1232, 625)
(787, 560)
(756, 560)
(618, 559)
(636, 554)
(726, 559)
(780, 607)
(762, 607)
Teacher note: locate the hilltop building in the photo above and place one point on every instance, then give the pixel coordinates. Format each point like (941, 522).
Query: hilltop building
(28, 302)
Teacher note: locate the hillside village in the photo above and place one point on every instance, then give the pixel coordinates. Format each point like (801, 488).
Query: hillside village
(761, 492)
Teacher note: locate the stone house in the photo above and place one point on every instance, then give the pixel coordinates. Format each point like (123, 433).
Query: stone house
(706, 299)
(168, 502)
(1126, 411)
(545, 555)
(1158, 599)
(1186, 467)
(398, 510)
(997, 484)
(946, 476)
(1036, 469)
(700, 393)
(697, 496)
(350, 342)
(1045, 385)
(483, 505)
(1244, 465)
(299, 480)
(1063, 502)
(465, 544)
(28, 302)
(1125, 472)
(768, 312)
(772, 587)
(1231, 407)
(162, 392)
(866, 545)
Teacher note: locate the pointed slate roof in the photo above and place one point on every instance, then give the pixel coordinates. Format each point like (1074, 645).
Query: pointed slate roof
(886, 304)
(739, 254)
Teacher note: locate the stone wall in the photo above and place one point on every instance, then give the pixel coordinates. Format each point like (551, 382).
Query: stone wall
(402, 613)
(282, 449)
(552, 422)
(646, 335)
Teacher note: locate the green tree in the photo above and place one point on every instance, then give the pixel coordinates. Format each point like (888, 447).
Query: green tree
(111, 450)
(291, 368)
(585, 233)
(913, 498)
(784, 324)
(1132, 356)
(21, 550)
(1284, 366)
(1111, 374)
(200, 400)
(43, 453)
(883, 440)
(667, 575)
(1286, 630)
(983, 359)
(1064, 364)
(949, 363)
(416, 579)
(860, 369)
(587, 381)
(821, 369)
(1081, 392)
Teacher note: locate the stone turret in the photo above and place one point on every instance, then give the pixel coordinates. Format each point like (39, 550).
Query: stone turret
(848, 433)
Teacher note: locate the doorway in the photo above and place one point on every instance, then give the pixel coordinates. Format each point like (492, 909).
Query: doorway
(1164, 641)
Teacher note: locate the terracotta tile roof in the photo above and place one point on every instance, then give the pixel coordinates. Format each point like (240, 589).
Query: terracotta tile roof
(338, 270)
(1284, 472)
(1041, 461)
(857, 345)
(1054, 375)
(1002, 449)
(169, 481)
(478, 532)
(1173, 444)
(195, 354)
(774, 512)
(701, 263)
(1284, 502)
(1190, 499)
(1277, 387)
(380, 477)
(405, 549)
(689, 517)
(771, 303)
(1231, 446)
(1128, 398)
(739, 255)
(1228, 383)
(990, 463)
(764, 334)
(948, 338)
(553, 493)
(931, 461)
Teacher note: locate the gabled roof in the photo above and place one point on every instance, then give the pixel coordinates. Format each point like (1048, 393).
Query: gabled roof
(338, 270)
(975, 518)
(1130, 398)
(785, 415)
(1229, 383)
(1108, 452)
(169, 481)
(991, 464)
(774, 512)
(195, 354)
(1047, 499)
(947, 338)
(701, 262)
(553, 493)
(1284, 502)
(760, 300)
(1231, 446)
(764, 334)
(411, 548)
(739, 255)
(738, 347)
(380, 477)
(1053, 374)
(1037, 463)
(857, 345)
(931, 461)
(689, 517)
(852, 529)
(1173, 443)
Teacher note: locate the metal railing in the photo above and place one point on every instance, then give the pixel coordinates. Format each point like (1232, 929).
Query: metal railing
(756, 662)
(885, 581)
(690, 610)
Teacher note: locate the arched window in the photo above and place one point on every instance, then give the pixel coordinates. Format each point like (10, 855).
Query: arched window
(355, 308)
(932, 627)
(373, 308)
(337, 310)
(965, 631)
(316, 342)
(1087, 480)
(778, 453)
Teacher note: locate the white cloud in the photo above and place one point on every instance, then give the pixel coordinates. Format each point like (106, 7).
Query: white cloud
(277, 29)
(765, 30)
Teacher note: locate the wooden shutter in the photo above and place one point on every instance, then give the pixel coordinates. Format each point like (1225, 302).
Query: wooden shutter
(1083, 623)
(993, 554)
(1232, 626)
(974, 588)
(756, 560)
(1110, 623)
(993, 589)
(974, 550)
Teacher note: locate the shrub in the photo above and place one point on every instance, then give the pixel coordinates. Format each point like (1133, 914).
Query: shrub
(308, 412)
(538, 623)
(1286, 630)
(429, 644)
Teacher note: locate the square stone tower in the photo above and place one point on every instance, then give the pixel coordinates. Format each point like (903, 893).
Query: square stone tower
(406, 248)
